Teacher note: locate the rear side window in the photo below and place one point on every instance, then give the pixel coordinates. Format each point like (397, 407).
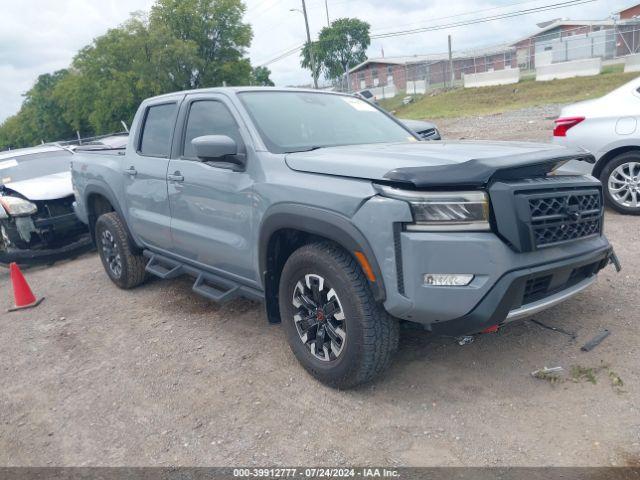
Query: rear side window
(156, 134)
(208, 117)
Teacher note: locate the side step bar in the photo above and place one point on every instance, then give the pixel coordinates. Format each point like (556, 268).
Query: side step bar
(215, 288)
(163, 267)
(209, 285)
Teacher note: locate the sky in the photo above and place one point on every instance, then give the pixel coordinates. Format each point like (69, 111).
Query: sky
(40, 36)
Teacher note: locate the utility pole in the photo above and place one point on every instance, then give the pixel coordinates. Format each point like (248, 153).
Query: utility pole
(311, 54)
(326, 7)
(453, 74)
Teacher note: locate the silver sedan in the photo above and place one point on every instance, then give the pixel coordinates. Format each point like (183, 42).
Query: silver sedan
(608, 127)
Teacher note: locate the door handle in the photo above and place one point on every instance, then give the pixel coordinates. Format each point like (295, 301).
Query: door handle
(131, 171)
(175, 177)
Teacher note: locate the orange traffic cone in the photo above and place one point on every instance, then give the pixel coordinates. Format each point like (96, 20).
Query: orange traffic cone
(24, 297)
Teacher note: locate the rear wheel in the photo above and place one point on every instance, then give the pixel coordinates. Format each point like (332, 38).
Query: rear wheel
(125, 267)
(621, 181)
(335, 328)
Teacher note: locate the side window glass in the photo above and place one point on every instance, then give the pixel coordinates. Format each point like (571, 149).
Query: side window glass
(156, 134)
(208, 117)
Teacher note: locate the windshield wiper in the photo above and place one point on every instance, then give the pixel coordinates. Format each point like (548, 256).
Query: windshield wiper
(307, 149)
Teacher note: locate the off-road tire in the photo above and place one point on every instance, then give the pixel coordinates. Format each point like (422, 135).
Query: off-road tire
(132, 272)
(371, 333)
(604, 178)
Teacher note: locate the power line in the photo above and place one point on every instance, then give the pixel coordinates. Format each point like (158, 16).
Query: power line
(256, 10)
(518, 13)
(466, 14)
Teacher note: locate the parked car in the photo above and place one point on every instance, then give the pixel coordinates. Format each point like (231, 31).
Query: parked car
(608, 127)
(334, 214)
(37, 221)
(424, 129)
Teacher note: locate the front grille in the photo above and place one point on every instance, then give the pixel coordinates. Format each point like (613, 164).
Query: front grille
(560, 217)
(536, 213)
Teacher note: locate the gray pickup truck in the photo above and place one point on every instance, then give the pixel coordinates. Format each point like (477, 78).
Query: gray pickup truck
(337, 217)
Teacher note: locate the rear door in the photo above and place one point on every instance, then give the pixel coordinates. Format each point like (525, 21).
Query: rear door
(145, 175)
(211, 206)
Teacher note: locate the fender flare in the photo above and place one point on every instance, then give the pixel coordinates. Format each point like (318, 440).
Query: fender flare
(321, 222)
(106, 192)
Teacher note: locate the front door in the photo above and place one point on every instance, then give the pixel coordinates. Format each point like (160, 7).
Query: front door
(211, 206)
(145, 176)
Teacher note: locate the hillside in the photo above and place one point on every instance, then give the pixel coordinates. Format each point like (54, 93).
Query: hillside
(489, 100)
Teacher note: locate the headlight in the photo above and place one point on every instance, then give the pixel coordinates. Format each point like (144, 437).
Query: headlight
(17, 207)
(444, 211)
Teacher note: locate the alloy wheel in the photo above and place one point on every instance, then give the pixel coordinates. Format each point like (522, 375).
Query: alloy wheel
(319, 318)
(624, 184)
(111, 253)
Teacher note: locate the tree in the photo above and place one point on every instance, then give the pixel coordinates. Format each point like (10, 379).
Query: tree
(216, 30)
(181, 44)
(40, 117)
(305, 58)
(110, 77)
(260, 77)
(339, 47)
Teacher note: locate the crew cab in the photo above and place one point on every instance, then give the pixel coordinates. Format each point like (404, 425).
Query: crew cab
(335, 215)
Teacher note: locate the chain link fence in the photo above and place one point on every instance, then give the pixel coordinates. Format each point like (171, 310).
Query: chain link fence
(420, 74)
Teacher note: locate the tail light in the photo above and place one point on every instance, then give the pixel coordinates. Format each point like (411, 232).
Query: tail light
(564, 124)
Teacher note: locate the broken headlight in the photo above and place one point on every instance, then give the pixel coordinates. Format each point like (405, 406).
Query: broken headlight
(17, 207)
(444, 211)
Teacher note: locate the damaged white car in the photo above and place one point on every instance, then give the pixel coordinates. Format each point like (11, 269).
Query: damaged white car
(37, 220)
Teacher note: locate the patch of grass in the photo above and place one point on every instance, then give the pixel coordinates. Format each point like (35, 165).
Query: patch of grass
(491, 100)
(581, 374)
(616, 381)
(551, 377)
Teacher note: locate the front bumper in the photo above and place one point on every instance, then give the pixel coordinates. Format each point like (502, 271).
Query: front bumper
(515, 297)
(404, 257)
(46, 255)
(51, 234)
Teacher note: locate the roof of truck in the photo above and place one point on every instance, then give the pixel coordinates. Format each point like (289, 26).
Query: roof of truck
(242, 89)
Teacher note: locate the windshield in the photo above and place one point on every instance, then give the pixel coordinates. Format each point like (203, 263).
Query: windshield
(299, 121)
(25, 167)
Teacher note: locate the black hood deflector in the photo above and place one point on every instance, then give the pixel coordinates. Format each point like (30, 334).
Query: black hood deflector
(480, 172)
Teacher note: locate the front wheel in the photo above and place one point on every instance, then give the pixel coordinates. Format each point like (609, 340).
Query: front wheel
(335, 328)
(621, 181)
(125, 267)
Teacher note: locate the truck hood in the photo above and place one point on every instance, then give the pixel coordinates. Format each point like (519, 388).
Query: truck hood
(47, 187)
(436, 164)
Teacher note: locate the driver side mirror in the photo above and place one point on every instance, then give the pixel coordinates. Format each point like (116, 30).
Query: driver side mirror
(220, 150)
(214, 147)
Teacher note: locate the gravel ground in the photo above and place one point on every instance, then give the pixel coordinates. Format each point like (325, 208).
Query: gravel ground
(160, 376)
(533, 124)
